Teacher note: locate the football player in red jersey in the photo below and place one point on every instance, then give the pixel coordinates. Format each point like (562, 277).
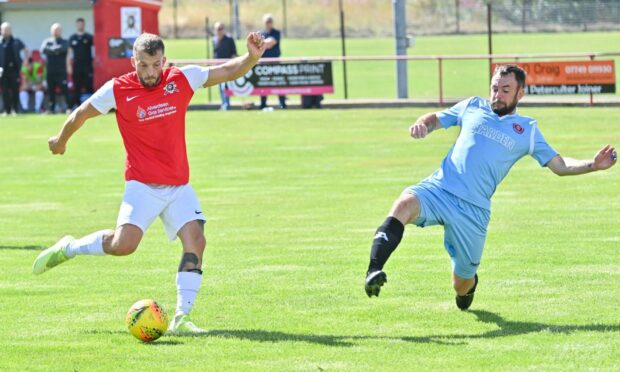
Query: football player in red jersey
(151, 103)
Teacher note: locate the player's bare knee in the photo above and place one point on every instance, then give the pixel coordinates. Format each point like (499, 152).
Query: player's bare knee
(123, 246)
(198, 244)
(193, 237)
(406, 208)
(457, 285)
(461, 286)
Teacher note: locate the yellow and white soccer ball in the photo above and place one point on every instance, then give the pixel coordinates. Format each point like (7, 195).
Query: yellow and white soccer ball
(146, 320)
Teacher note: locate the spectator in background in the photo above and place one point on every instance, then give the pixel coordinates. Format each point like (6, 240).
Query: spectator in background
(272, 43)
(12, 53)
(81, 52)
(33, 81)
(223, 47)
(56, 52)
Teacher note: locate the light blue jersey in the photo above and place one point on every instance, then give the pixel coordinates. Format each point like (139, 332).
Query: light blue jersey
(485, 150)
(458, 194)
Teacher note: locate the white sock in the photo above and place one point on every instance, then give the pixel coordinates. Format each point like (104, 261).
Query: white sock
(90, 245)
(23, 99)
(38, 100)
(187, 289)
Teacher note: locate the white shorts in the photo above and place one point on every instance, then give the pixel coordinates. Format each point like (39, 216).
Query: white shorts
(176, 205)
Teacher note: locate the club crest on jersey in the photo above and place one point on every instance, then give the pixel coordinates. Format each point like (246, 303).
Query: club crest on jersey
(170, 88)
(519, 129)
(141, 113)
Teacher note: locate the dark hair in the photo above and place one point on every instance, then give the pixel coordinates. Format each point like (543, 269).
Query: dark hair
(148, 43)
(80, 20)
(520, 73)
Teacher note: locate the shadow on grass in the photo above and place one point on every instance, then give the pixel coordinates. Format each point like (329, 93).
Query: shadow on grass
(21, 248)
(508, 328)
(505, 328)
(275, 336)
(107, 332)
(161, 342)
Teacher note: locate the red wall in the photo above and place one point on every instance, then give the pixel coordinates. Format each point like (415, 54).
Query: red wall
(107, 15)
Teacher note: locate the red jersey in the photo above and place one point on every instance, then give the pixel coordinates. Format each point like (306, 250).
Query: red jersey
(151, 121)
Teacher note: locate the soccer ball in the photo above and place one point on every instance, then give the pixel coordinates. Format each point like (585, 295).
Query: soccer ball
(146, 320)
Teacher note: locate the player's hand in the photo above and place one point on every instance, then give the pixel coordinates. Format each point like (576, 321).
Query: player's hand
(418, 130)
(256, 45)
(605, 158)
(56, 147)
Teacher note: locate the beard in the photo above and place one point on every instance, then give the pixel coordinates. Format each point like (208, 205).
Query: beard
(502, 108)
(151, 82)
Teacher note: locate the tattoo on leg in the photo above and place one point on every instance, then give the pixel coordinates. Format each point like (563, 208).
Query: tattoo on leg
(189, 263)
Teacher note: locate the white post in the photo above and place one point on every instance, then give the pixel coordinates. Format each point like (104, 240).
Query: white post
(237, 28)
(400, 33)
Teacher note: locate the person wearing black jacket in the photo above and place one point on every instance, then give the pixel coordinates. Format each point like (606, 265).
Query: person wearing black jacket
(272, 42)
(56, 52)
(81, 44)
(223, 47)
(12, 53)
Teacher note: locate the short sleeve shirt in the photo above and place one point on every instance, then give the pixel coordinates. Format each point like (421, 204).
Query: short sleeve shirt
(82, 46)
(152, 122)
(486, 149)
(224, 48)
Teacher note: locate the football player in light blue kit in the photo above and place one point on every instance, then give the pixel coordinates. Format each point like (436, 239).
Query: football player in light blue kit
(493, 138)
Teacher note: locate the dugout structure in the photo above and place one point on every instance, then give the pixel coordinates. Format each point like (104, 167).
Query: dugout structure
(114, 24)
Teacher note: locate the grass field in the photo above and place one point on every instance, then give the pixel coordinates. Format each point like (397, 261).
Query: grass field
(293, 200)
(461, 78)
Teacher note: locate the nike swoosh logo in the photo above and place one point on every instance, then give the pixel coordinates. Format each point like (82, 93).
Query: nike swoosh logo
(198, 212)
(131, 98)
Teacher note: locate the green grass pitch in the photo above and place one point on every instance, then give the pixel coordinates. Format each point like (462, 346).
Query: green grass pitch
(293, 199)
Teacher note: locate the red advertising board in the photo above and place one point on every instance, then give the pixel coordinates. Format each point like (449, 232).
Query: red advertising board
(117, 24)
(568, 77)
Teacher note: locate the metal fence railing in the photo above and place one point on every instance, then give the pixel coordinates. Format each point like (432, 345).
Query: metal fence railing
(367, 18)
(439, 59)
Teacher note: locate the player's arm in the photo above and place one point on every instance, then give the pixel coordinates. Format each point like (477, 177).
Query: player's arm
(604, 159)
(424, 125)
(76, 119)
(237, 67)
(270, 42)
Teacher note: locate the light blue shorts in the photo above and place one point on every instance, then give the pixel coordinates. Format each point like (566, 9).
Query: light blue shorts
(465, 225)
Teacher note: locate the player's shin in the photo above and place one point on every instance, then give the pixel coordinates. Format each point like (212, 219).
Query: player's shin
(188, 281)
(89, 245)
(387, 238)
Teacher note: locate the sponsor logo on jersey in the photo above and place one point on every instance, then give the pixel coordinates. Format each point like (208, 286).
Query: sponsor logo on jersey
(519, 129)
(157, 111)
(495, 135)
(170, 88)
(141, 114)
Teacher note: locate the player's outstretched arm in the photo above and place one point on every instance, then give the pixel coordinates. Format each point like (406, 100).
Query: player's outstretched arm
(424, 125)
(604, 159)
(58, 143)
(237, 67)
